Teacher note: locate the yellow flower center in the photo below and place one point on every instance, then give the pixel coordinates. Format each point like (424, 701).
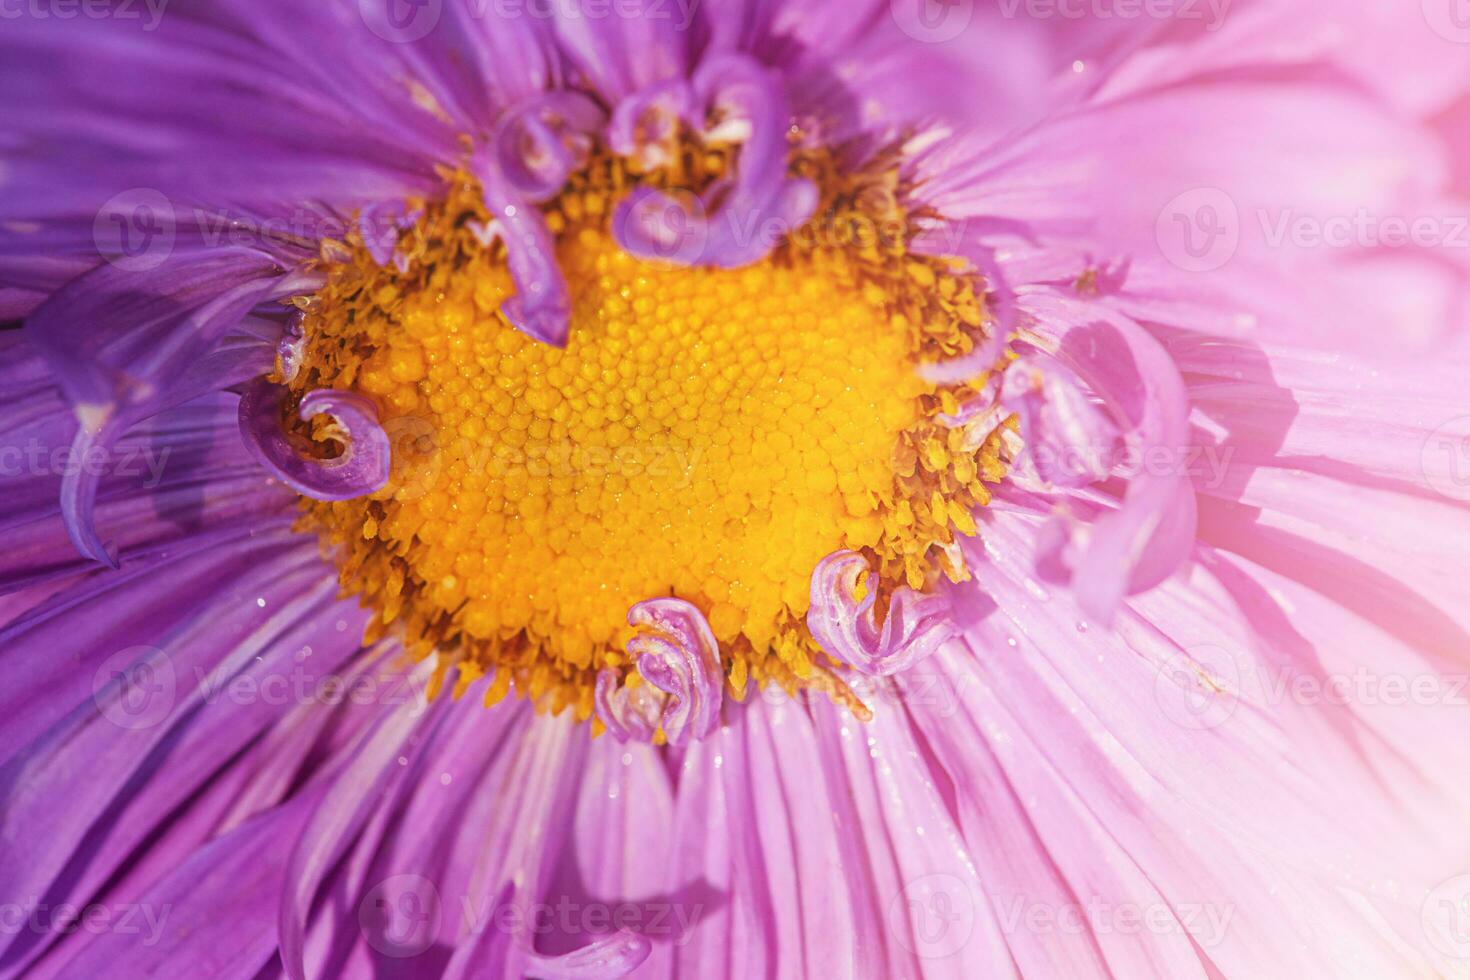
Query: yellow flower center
(706, 434)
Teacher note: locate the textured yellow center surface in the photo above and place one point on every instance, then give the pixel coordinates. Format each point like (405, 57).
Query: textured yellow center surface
(706, 433)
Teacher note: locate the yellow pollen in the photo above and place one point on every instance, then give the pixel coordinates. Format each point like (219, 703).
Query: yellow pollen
(707, 434)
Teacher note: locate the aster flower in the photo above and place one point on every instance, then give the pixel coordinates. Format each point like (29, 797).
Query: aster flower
(757, 489)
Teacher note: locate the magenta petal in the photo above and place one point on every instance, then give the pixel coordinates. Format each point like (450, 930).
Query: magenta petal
(630, 714)
(757, 207)
(1152, 531)
(79, 494)
(675, 653)
(542, 306)
(361, 469)
(643, 124)
(653, 225)
(544, 139)
(615, 956)
(1068, 437)
(846, 628)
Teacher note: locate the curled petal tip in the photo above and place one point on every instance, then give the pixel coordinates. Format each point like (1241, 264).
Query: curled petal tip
(743, 217)
(361, 469)
(550, 324)
(615, 956)
(1069, 438)
(846, 628)
(79, 498)
(677, 655)
(630, 713)
(645, 125)
(544, 139)
(541, 307)
(983, 358)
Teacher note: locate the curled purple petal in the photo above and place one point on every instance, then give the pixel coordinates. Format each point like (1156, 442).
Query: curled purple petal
(79, 491)
(1069, 439)
(1151, 532)
(608, 958)
(542, 306)
(845, 627)
(543, 140)
(379, 230)
(653, 225)
(646, 124)
(677, 654)
(742, 219)
(361, 469)
(960, 369)
(630, 713)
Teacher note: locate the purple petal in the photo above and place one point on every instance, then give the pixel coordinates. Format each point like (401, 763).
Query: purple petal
(159, 650)
(380, 226)
(1068, 437)
(180, 921)
(630, 713)
(125, 344)
(846, 628)
(331, 832)
(544, 140)
(645, 124)
(364, 465)
(644, 43)
(677, 654)
(542, 306)
(654, 225)
(606, 959)
(758, 205)
(1138, 545)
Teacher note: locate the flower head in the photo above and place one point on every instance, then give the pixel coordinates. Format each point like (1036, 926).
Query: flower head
(759, 489)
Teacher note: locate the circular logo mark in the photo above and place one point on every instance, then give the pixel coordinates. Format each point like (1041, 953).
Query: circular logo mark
(663, 228)
(1198, 689)
(933, 916)
(414, 447)
(1445, 459)
(400, 916)
(1199, 231)
(1445, 917)
(1450, 19)
(401, 21)
(135, 230)
(135, 688)
(932, 21)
